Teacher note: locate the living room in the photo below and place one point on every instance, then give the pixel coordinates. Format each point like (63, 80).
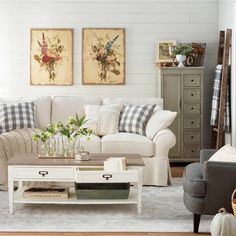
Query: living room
(93, 94)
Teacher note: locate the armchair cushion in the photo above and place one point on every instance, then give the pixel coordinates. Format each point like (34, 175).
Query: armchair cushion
(226, 154)
(193, 182)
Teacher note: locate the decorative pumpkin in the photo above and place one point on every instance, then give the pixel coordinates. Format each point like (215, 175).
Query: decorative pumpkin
(223, 224)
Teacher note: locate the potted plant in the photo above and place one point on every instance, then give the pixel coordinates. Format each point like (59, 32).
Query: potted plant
(181, 51)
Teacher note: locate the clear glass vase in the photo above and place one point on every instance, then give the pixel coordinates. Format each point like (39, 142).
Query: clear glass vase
(52, 146)
(44, 150)
(69, 146)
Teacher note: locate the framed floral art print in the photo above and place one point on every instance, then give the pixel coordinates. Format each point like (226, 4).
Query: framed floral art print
(51, 57)
(163, 50)
(103, 59)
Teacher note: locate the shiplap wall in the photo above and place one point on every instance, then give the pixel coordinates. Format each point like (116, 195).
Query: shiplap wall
(146, 21)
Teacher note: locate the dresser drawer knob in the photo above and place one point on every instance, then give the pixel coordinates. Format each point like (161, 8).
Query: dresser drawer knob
(192, 122)
(192, 136)
(192, 108)
(43, 173)
(192, 80)
(192, 94)
(107, 176)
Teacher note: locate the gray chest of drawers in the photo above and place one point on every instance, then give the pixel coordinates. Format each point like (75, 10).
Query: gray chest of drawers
(182, 91)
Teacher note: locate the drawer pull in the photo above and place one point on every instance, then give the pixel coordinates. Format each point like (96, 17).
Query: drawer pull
(192, 80)
(192, 151)
(192, 94)
(107, 176)
(192, 122)
(192, 108)
(43, 173)
(192, 136)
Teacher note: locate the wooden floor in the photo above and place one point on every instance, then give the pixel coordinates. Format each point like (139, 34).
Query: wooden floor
(176, 172)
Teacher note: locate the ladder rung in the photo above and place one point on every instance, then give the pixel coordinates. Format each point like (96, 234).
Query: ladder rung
(215, 129)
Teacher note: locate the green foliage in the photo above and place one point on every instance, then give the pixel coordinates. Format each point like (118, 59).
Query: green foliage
(44, 135)
(72, 128)
(183, 49)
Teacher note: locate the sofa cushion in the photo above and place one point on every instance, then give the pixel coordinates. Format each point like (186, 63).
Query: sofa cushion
(65, 106)
(160, 119)
(121, 143)
(93, 144)
(42, 109)
(17, 116)
(133, 118)
(103, 119)
(134, 101)
(193, 182)
(43, 112)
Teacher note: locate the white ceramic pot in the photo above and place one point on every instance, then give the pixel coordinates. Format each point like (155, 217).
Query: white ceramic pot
(180, 58)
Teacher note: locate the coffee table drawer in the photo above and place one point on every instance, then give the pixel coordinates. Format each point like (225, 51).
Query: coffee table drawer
(104, 176)
(43, 173)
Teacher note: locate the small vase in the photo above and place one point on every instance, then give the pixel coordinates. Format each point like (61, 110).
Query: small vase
(52, 146)
(44, 150)
(69, 146)
(180, 58)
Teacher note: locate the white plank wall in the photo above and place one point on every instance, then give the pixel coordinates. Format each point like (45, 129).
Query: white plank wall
(145, 21)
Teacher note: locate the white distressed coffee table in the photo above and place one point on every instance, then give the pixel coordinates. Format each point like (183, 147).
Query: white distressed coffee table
(28, 167)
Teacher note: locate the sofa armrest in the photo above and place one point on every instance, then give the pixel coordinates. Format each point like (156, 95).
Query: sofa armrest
(220, 182)
(205, 154)
(164, 140)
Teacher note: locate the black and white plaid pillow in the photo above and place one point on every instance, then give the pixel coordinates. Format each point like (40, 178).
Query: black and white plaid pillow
(16, 116)
(133, 118)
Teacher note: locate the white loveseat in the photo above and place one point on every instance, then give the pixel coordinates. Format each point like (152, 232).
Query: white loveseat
(153, 150)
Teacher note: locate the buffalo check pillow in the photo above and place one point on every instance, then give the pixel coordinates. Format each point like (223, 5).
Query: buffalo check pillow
(17, 116)
(133, 118)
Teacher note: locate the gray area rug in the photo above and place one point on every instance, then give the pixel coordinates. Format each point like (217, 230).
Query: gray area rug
(163, 211)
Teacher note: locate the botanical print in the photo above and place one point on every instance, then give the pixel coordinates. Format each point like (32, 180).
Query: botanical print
(163, 50)
(103, 56)
(51, 56)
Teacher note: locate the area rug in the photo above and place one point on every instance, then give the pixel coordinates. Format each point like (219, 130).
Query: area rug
(162, 211)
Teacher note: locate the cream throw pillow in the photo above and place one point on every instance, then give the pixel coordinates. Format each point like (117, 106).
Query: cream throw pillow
(160, 119)
(225, 154)
(103, 119)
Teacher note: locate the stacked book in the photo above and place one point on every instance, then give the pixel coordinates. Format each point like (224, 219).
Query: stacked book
(115, 164)
(48, 193)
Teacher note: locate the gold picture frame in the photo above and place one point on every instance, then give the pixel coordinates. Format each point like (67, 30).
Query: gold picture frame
(163, 50)
(51, 56)
(103, 56)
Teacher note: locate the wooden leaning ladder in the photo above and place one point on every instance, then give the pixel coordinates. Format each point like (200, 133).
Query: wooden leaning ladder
(217, 138)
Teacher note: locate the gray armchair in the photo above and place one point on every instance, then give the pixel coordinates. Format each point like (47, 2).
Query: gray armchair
(208, 186)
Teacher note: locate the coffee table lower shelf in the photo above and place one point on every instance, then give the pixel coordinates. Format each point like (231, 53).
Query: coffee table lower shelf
(132, 199)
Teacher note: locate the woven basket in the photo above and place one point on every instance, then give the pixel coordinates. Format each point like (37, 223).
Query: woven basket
(233, 202)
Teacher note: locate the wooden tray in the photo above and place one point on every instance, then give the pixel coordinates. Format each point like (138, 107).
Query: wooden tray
(55, 157)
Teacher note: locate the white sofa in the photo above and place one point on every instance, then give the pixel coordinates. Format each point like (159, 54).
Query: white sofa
(154, 151)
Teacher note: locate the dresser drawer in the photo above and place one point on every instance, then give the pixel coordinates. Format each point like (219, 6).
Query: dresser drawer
(191, 94)
(191, 151)
(106, 177)
(192, 122)
(192, 80)
(192, 108)
(192, 137)
(44, 173)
